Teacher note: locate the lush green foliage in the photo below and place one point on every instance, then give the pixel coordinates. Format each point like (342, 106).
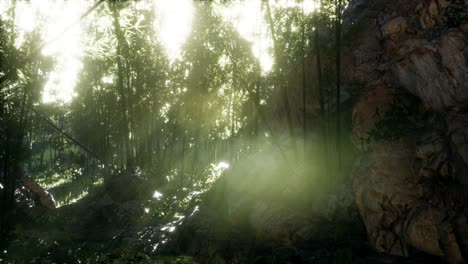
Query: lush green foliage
(176, 123)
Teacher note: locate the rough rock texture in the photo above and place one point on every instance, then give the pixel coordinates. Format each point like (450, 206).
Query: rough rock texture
(30, 194)
(411, 185)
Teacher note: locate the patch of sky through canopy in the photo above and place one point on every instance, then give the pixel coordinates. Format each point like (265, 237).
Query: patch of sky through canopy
(173, 24)
(67, 49)
(248, 18)
(53, 17)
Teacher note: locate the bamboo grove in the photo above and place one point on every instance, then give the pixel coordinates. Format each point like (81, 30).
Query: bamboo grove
(135, 108)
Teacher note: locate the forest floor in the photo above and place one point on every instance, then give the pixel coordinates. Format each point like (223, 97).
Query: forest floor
(97, 230)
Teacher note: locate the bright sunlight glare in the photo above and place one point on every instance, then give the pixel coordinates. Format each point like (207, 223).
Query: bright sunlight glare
(157, 195)
(223, 165)
(248, 19)
(67, 50)
(52, 18)
(173, 24)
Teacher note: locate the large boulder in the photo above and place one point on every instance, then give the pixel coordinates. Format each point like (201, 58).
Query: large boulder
(30, 194)
(410, 182)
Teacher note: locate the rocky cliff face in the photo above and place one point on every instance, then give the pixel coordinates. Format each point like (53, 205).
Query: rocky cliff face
(410, 124)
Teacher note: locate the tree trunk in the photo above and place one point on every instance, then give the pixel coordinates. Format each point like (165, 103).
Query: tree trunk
(338, 84)
(304, 87)
(121, 89)
(323, 119)
(284, 90)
